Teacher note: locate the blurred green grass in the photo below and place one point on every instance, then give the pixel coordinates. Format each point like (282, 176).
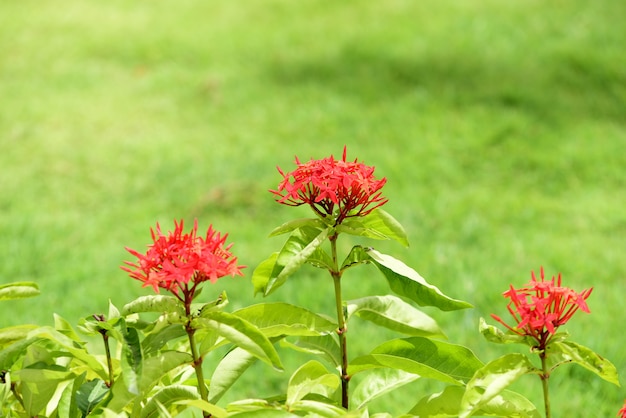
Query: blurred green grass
(499, 125)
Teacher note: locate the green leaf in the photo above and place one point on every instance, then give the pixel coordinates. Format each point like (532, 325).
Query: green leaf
(276, 319)
(132, 360)
(113, 311)
(11, 354)
(492, 379)
(571, 352)
(90, 394)
(15, 333)
(495, 335)
(205, 406)
(263, 273)
(65, 328)
(406, 282)
(393, 313)
(378, 225)
(317, 409)
(38, 385)
(325, 346)
(68, 402)
(18, 290)
(241, 333)
(358, 255)
(296, 224)
(300, 245)
(78, 351)
(263, 412)
(379, 382)
(155, 341)
(153, 369)
(428, 358)
(154, 303)
(446, 404)
(165, 397)
(311, 377)
(215, 305)
(228, 370)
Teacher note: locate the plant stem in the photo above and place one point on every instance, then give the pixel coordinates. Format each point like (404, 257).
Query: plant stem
(17, 395)
(545, 375)
(197, 359)
(341, 322)
(107, 349)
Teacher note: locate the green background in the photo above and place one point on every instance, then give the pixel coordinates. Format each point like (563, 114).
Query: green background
(499, 125)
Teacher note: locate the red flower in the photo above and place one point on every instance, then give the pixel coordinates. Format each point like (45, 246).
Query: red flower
(622, 412)
(540, 308)
(180, 261)
(326, 184)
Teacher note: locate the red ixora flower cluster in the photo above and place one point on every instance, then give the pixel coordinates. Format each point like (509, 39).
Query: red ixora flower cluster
(541, 307)
(622, 412)
(326, 184)
(181, 261)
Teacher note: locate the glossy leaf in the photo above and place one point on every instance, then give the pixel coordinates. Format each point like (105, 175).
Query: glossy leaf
(311, 377)
(154, 303)
(377, 225)
(153, 369)
(427, 358)
(9, 335)
(38, 385)
(325, 346)
(263, 273)
(90, 394)
(446, 405)
(495, 335)
(132, 360)
(18, 290)
(263, 412)
(78, 351)
(165, 397)
(228, 370)
(406, 282)
(492, 379)
(393, 313)
(298, 223)
(241, 333)
(68, 402)
(357, 255)
(571, 352)
(276, 319)
(214, 410)
(379, 382)
(317, 409)
(11, 354)
(155, 341)
(65, 328)
(300, 245)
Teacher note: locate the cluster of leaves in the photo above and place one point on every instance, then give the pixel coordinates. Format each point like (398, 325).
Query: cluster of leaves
(51, 371)
(155, 345)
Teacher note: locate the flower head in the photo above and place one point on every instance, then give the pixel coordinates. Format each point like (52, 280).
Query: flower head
(540, 307)
(622, 412)
(332, 187)
(180, 261)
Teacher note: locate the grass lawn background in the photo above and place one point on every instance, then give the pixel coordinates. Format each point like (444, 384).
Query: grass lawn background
(500, 126)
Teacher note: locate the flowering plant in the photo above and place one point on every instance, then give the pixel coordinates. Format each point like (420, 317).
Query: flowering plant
(155, 346)
(538, 309)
